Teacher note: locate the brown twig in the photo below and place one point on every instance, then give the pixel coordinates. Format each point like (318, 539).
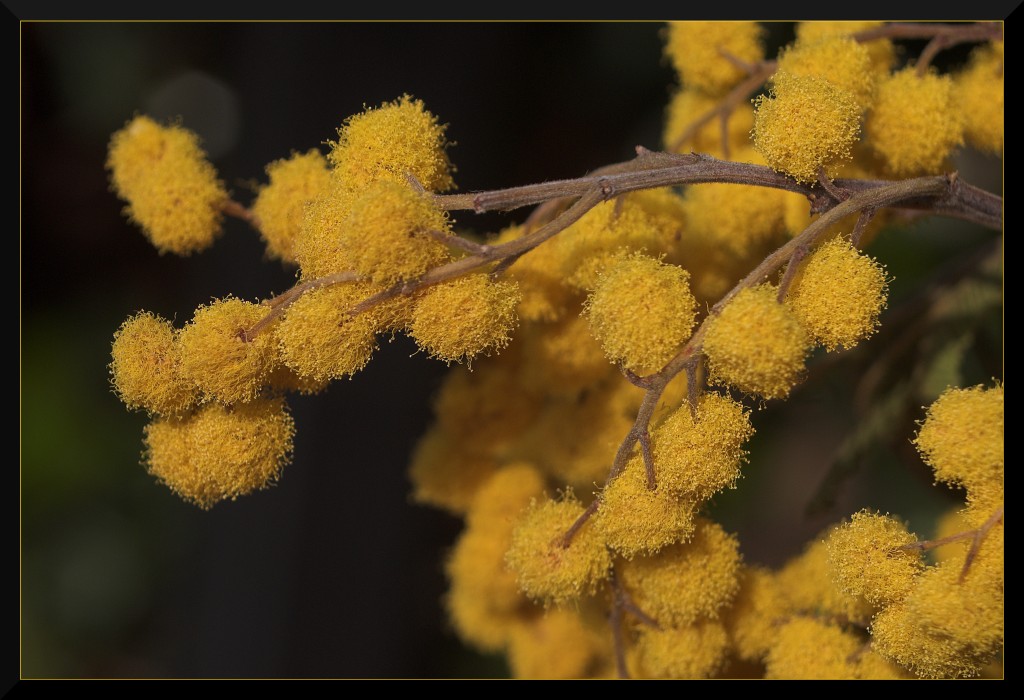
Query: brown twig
(575, 527)
(645, 451)
(791, 268)
(862, 223)
(825, 181)
(238, 210)
(282, 301)
(652, 169)
(739, 94)
(979, 537)
(974, 31)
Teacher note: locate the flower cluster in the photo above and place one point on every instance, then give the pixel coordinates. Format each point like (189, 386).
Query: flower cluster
(607, 346)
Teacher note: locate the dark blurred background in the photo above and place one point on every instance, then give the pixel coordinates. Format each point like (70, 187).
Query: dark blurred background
(333, 572)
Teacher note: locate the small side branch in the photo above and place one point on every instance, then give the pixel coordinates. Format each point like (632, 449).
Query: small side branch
(239, 211)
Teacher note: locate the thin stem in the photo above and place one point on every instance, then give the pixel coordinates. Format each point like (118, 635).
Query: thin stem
(618, 641)
(634, 378)
(282, 301)
(979, 537)
(748, 68)
(627, 602)
(862, 223)
(825, 181)
(471, 247)
(692, 387)
(580, 521)
(975, 31)
(791, 268)
(739, 94)
(645, 450)
(238, 210)
(925, 545)
(651, 169)
(493, 254)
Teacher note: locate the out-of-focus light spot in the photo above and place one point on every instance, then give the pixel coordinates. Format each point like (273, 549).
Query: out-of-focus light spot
(206, 106)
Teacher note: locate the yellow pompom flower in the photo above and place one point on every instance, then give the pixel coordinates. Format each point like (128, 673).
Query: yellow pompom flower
(751, 619)
(557, 645)
(756, 344)
(633, 222)
(635, 520)
(980, 94)
(545, 567)
(695, 50)
(317, 247)
(700, 457)
(217, 356)
(688, 581)
(807, 587)
(962, 440)
(145, 367)
(552, 440)
(172, 190)
(689, 105)
(488, 398)
(220, 453)
(865, 558)
(445, 474)
(390, 141)
(882, 51)
(280, 205)
(641, 311)
(320, 339)
(842, 61)
(385, 235)
(478, 623)
(562, 358)
(955, 618)
(838, 294)
(694, 651)
(456, 321)
(742, 220)
(915, 123)
(503, 496)
(806, 124)
(809, 649)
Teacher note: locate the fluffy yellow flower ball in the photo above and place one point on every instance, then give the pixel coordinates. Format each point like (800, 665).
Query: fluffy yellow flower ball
(641, 311)
(635, 520)
(865, 558)
(320, 340)
(686, 581)
(838, 294)
(172, 190)
(390, 141)
(219, 358)
(280, 205)
(840, 60)
(145, 367)
(456, 321)
(694, 48)
(915, 123)
(981, 94)
(806, 123)
(220, 453)
(385, 236)
(545, 567)
(700, 456)
(756, 344)
(962, 440)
